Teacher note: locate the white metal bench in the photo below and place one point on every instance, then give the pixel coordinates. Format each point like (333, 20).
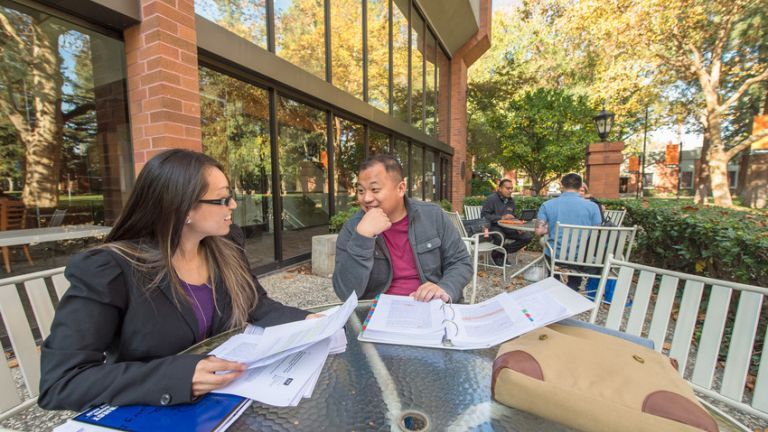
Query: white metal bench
(588, 247)
(472, 212)
(19, 330)
(615, 216)
(693, 339)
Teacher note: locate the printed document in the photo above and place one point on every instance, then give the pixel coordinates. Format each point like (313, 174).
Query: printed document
(402, 320)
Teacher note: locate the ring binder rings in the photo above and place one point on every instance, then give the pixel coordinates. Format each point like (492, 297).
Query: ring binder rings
(404, 321)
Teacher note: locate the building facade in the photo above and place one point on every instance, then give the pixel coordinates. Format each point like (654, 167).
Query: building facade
(289, 95)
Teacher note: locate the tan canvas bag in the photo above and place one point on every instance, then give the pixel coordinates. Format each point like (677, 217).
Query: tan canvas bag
(595, 382)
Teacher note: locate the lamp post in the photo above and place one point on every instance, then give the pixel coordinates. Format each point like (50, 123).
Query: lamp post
(604, 123)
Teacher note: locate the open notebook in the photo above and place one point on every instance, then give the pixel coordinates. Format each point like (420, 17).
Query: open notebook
(404, 321)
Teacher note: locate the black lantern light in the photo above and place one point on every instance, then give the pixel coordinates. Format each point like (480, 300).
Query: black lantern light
(604, 123)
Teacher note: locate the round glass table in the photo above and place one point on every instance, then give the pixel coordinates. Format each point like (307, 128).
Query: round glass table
(392, 387)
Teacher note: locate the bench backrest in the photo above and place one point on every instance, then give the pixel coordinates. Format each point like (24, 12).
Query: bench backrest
(472, 212)
(615, 216)
(709, 326)
(590, 245)
(35, 287)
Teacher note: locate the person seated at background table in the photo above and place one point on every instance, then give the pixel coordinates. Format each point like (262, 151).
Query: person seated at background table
(500, 206)
(397, 245)
(584, 192)
(171, 273)
(571, 209)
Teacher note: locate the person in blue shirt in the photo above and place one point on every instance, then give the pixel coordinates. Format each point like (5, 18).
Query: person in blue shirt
(569, 208)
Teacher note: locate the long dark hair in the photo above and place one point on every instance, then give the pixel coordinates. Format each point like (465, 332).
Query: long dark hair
(148, 230)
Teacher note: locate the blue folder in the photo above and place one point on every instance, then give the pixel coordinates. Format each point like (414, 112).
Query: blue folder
(205, 415)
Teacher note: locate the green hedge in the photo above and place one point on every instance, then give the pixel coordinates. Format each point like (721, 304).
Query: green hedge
(717, 242)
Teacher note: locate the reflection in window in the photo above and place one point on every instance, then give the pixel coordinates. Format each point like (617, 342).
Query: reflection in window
(303, 174)
(348, 139)
(430, 173)
(417, 69)
(378, 143)
(378, 54)
(430, 108)
(417, 171)
(445, 177)
(347, 45)
(245, 18)
(235, 128)
(400, 71)
(443, 95)
(64, 122)
(401, 153)
(300, 33)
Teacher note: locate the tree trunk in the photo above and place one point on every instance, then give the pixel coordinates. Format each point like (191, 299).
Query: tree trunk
(702, 177)
(743, 179)
(718, 164)
(43, 141)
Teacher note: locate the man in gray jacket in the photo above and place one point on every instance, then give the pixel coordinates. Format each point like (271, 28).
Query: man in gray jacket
(397, 245)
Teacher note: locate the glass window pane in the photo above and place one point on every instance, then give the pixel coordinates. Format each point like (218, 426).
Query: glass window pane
(417, 69)
(245, 18)
(347, 155)
(235, 128)
(378, 143)
(401, 153)
(303, 174)
(417, 171)
(431, 106)
(378, 54)
(64, 140)
(400, 59)
(443, 95)
(347, 45)
(300, 33)
(430, 185)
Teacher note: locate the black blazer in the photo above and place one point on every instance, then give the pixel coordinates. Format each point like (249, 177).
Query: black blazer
(112, 342)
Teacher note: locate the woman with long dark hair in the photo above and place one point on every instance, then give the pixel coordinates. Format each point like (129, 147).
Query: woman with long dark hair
(171, 272)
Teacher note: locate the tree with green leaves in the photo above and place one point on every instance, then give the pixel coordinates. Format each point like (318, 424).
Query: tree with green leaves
(712, 44)
(544, 132)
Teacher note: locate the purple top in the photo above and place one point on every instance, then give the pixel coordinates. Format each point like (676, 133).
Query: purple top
(201, 297)
(405, 275)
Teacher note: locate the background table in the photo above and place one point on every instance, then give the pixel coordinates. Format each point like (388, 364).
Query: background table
(371, 386)
(40, 235)
(528, 226)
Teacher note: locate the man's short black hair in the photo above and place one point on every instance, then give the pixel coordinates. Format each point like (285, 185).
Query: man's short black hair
(390, 163)
(504, 181)
(571, 181)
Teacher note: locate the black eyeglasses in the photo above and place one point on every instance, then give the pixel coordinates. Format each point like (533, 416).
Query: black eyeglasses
(219, 201)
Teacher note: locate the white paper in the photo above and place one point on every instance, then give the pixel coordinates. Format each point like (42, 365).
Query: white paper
(283, 340)
(489, 323)
(407, 315)
(284, 382)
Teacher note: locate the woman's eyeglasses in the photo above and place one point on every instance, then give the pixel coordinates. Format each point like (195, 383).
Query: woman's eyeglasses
(219, 201)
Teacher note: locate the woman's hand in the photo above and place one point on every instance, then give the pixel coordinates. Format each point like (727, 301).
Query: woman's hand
(206, 379)
(314, 316)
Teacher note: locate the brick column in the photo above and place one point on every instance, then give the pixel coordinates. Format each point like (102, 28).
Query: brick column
(163, 84)
(460, 63)
(603, 169)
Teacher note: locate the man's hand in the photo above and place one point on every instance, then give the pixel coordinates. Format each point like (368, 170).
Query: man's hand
(373, 223)
(206, 377)
(428, 291)
(314, 316)
(508, 216)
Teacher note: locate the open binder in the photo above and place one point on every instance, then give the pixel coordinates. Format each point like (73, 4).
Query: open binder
(404, 321)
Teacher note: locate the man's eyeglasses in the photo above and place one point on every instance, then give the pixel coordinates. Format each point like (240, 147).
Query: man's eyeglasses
(219, 201)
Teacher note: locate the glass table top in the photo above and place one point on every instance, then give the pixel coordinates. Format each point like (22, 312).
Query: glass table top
(391, 387)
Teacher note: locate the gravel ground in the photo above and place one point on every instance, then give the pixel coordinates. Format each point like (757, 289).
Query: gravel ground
(296, 286)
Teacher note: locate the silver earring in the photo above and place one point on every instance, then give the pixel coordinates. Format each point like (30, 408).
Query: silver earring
(189, 220)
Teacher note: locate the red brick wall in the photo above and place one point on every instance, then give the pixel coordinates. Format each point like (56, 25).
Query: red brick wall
(460, 63)
(163, 86)
(603, 169)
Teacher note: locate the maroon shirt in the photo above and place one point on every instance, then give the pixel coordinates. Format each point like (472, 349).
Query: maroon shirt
(405, 275)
